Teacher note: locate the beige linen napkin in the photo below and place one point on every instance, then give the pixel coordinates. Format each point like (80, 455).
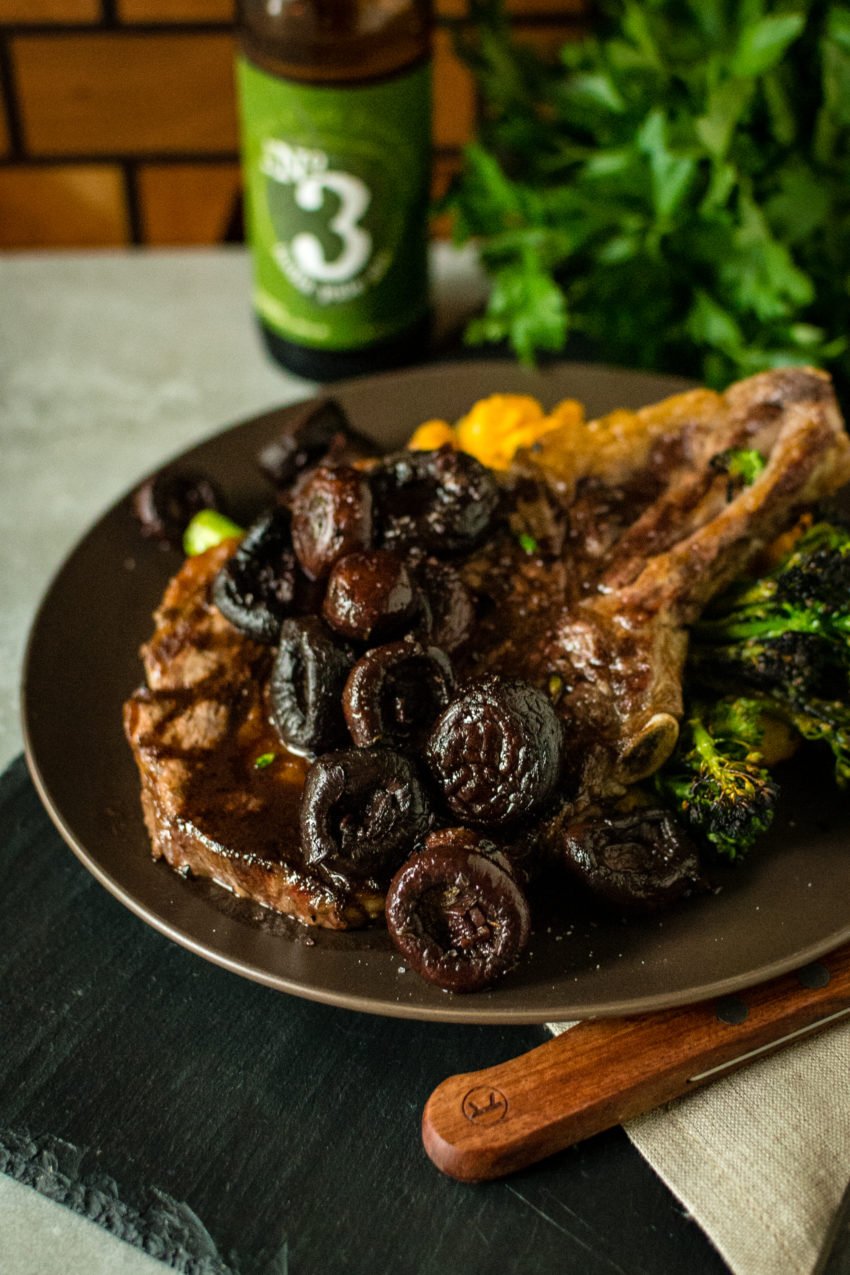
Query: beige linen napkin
(761, 1158)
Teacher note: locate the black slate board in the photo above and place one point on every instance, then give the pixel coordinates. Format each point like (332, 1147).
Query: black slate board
(231, 1130)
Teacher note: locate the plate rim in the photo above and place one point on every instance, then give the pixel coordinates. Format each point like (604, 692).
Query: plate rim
(460, 1010)
(482, 1016)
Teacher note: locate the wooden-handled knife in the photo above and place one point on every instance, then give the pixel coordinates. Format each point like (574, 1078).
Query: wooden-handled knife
(489, 1123)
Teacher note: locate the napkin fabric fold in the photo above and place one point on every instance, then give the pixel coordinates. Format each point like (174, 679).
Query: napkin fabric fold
(760, 1158)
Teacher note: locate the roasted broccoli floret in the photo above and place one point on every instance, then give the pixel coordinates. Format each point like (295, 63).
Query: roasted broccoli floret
(816, 575)
(716, 780)
(786, 637)
(822, 720)
(808, 591)
(804, 663)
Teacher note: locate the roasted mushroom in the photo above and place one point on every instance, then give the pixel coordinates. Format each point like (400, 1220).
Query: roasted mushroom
(636, 861)
(256, 587)
(496, 751)
(449, 608)
(331, 516)
(441, 501)
(457, 915)
(306, 685)
(165, 504)
(394, 693)
(371, 596)
(318, 431)
(362, 812)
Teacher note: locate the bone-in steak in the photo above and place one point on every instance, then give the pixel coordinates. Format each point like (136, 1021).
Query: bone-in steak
(635, 527)
(655, 528)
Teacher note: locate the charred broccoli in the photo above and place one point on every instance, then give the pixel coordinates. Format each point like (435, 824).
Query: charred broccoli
(784, 640)
(808, 591)
(786, 637)
(827, 721)
(803, 663)
(716, 780)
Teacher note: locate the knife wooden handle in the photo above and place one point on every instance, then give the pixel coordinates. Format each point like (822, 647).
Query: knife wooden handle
(485, 1124)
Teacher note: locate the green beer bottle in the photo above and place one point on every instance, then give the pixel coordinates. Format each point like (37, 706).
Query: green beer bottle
(335, 109)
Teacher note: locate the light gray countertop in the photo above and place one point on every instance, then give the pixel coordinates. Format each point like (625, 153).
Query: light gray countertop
(109, 364)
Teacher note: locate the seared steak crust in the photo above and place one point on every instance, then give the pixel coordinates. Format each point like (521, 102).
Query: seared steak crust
(197, 729)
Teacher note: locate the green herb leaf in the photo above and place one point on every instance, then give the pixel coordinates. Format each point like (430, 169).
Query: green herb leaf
(637, 26)
(800, 205)
(525, 307)
(740, 462)
(762, 44)
(264, 760)
(527, 542)
(759, 272)
(727, 103)
(778, 99)
(709, 324)
(673, 193)
(838, 26)
(671, 174)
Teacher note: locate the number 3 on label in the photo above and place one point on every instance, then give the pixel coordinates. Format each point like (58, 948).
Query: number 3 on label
(354, 197)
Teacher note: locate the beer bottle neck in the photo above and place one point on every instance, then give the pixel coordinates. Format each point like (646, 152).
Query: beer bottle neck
(335, 41)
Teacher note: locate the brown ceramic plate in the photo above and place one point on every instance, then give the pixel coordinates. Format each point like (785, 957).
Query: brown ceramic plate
(787, 905)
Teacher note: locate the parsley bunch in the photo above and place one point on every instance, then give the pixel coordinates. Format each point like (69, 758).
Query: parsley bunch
(674, 193)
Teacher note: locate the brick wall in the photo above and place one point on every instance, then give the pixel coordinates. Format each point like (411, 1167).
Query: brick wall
(118, 124)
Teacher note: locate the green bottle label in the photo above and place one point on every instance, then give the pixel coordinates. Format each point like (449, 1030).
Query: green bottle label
(336, 181)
